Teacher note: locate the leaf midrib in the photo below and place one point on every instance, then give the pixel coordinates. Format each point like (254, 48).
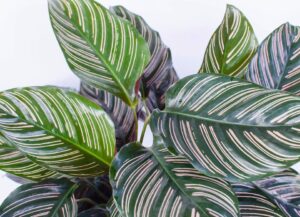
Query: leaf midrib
(174, 181)
(167, 111)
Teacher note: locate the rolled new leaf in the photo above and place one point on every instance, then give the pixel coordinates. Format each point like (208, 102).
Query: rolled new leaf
(160, 74)
(102, 49)
(231, 47)
(229, 128)
(58, 129)
(120, 113)
(152, 182)
(46, 199)
(17, 163)
(283, 189)
(276, 65)
(253, 202)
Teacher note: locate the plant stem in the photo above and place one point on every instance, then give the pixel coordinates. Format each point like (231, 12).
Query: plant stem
(144, 129)
(136, 121)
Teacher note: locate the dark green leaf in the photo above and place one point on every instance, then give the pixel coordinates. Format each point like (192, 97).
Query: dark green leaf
(159, 74)
(51, 198)
(152, 182)
(120, 113)
(276, 64)
(58, 129)
(229, 128)
(103, 50)
(15, 162)
(252, 202)
(231, 47)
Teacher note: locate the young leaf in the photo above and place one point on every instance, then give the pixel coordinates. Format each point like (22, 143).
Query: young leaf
(103, 50)
(58, 129)
(160, 73)
(229, 128)
(152, 182)
(231, 47)
(120, 113)
(276, 63)
(252, 202)
(51, 198)
(15, 162)
(284, 190)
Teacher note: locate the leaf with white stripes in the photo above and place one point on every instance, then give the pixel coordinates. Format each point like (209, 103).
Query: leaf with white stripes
(51, 198)
(284, 190)
(102, 49)
(230, 128)
(120, 113)
(253, 202)
(160, 73)
(152, 182)
(15, 162)
(231, 47)
(58, 129)
(113, 210)
(276, 64)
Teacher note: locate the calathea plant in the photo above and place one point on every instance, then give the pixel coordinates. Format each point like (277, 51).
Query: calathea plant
(224, 138)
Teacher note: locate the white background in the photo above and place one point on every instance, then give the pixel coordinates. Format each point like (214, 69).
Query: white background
(29, 53)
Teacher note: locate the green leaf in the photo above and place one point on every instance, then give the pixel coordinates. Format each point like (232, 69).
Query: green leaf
(113, 210)
(120, 113)
(51, 198)
(152, 182)
(15, 162)
(58, 129)
(284, 190)
(160, 73)
(231, 47)
(103, 50)
(276, 63)
(252, 202)
(229, 128)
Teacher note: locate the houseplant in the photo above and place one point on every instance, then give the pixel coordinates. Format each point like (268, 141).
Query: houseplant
(223, 146)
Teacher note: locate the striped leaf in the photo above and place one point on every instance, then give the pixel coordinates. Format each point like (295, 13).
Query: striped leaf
(229, 128)
(253, 202)
(51, 198)
(160, 73)
(120, 113)
(276, 65)
(113, 210)
(58, 129)
(284, 190)
(15, 162)
(152, 182)
(103, 50)
(231, 47)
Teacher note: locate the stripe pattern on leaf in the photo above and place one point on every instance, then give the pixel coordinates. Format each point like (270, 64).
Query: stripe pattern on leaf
(231, 47)
(113, 210)
(284, 190)
(102, 49)
(48, 198)
(58, 129)
(14, 162)
(120, 113)
(229, 128)
(276, 63)
(160, 74)
(253, 202)
(152, 182)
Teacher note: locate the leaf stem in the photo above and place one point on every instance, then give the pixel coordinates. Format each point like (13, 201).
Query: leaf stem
(136, 121)
(144, 129)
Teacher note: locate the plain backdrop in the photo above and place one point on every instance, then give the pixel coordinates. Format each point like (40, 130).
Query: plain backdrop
(30, 55)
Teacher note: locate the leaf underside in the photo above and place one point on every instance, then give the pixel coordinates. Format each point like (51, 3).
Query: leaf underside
(231, 47)
(229, 128)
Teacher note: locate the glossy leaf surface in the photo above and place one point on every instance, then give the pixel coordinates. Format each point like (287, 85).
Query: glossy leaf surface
(231, 47)
(229, 128)
(58, 129)
(152, 182)
(103, 50)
